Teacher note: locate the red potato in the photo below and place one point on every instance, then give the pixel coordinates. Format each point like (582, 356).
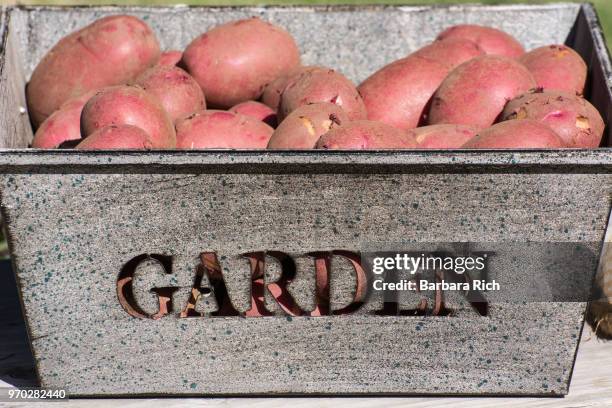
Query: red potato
(573, 118)
(179, 94)
(215, 129)
(129, 105)
(321, 85)
(63, 125)
(557, 67)
(516, 134)
(398, 94)
(476, 92)
(364, 135)
(444, 136)
(272, 92)
(305, 125)
(170, 58)
(111, 51)
(233, 62)
(116, 137)
(491, 40)
(450, 52)
(256, 110)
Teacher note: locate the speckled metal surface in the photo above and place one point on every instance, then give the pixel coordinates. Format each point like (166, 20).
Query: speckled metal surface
(73, 219)
(70, 240)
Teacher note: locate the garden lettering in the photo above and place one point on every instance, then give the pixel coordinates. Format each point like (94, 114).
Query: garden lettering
(210, 267)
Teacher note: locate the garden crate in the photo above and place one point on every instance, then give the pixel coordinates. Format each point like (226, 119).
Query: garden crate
(91, 233)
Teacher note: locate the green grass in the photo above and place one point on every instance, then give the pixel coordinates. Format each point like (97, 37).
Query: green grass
(604, 7)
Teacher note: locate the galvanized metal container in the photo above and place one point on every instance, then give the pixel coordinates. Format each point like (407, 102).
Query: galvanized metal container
(75, 219)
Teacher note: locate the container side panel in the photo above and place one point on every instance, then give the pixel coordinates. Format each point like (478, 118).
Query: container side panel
(592, 46)
(15, 129)
(357, 40)
(73, 233)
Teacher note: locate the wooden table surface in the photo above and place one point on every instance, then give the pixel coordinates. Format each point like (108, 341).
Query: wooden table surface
(591, 384)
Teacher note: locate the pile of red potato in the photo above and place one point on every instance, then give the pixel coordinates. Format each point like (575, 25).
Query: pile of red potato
(241, 86)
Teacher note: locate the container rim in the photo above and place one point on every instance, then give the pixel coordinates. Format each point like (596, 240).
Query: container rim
(314, 7)
(306, 161)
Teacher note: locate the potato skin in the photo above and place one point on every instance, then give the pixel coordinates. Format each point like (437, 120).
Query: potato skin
(476, 92)
(256, 110)
(116, 137)
(516, 134)
(557, 67)
(111, 51)
(129, 105)
(272, 92)
(170, 58)
(398, 94)
(321, 85)
(450, 52)
(491, 40)
(572, 117)
(179, 94)
(364, 135)
(305, 125)
(63, 125)
(234, 61)
(216, 129)
(444, 136)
